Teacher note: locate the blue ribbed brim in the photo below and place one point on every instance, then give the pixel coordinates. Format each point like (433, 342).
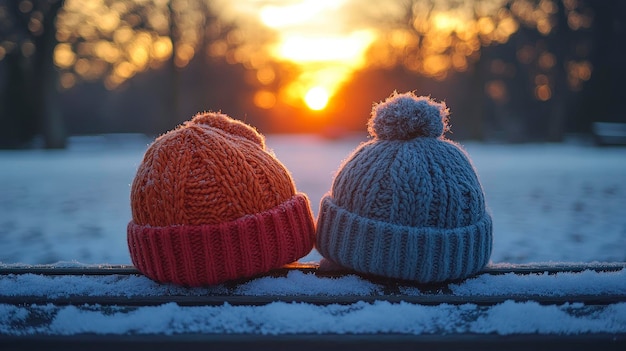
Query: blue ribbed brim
(424, 254)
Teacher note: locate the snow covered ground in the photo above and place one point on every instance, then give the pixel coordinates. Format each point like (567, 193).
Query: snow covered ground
(550, 202)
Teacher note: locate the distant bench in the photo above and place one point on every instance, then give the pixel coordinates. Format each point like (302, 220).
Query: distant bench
(42, 291)
(609, 133)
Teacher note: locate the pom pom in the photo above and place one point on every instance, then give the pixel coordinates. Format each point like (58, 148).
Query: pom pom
(406, 116)
(229, 125)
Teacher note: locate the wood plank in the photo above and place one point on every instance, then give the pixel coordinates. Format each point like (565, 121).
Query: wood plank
(315, 268)
(246, 300)
(314, 342)
(431, 294)
(435, 294)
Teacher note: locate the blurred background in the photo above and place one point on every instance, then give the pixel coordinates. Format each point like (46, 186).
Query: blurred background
(510, 70)
(534, 86)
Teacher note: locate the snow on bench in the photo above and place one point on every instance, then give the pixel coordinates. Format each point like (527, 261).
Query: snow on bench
(546, 306)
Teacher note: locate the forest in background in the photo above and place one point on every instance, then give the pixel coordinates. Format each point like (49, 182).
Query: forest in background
(537, 83)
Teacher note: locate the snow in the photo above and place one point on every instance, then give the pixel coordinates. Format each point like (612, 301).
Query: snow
(290, 318)
(587, 282)
(297, 283)
(551, 203)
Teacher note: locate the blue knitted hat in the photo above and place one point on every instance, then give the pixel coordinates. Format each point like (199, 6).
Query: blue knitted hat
(407, 204)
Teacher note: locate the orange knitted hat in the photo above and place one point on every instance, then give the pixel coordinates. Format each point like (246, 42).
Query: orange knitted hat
(210, 204)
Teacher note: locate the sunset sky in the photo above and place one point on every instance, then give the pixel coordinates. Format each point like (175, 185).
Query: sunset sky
(327, 40)
(303, 51)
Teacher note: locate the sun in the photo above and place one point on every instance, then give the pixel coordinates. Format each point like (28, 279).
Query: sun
(311, 37)
(316, 98)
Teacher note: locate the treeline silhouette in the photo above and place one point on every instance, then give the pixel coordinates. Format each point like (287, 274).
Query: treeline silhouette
(500, 96)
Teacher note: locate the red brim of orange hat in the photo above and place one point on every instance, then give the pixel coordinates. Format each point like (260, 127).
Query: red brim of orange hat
(200, 255)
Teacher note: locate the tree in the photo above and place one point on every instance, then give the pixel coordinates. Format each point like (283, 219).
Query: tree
(29, 105)
(522, 62)
(528, 57)
(52, 45)
(605, 100)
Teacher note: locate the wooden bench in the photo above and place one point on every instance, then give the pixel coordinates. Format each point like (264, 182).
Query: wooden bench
(42, 292)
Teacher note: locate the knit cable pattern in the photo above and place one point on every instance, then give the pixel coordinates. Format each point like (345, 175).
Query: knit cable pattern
(407, 204)
(209, 204)
(209, 170)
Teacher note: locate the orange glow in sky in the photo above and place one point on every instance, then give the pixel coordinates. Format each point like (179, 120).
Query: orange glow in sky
(306, 48)
(310, 35)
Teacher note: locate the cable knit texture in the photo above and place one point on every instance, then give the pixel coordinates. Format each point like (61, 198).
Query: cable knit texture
(210, 204)
(407, 204)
